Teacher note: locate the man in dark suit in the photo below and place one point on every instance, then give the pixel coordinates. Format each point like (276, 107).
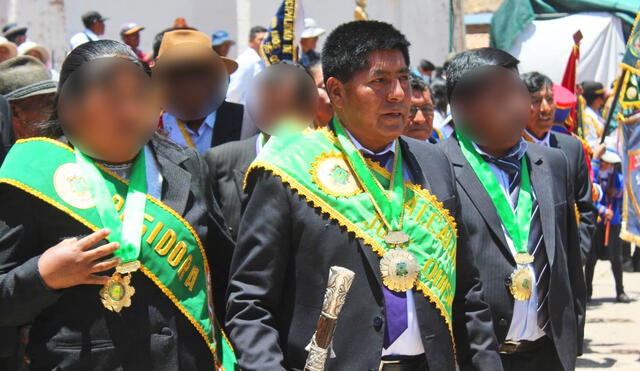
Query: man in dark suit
(517, 204)
(543, 107)
(280, 92)
(194, 80)
(306, 213)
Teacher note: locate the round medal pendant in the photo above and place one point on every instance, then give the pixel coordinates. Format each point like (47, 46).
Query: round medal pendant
(399, 270)
(116, 294)
(521, 284)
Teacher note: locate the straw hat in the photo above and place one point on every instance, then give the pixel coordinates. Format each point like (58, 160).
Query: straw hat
(182, 46)
(13, 49)
(28, 46)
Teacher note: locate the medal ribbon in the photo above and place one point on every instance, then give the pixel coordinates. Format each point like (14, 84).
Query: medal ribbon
(129, 231)
(388, 204)
(517, 224)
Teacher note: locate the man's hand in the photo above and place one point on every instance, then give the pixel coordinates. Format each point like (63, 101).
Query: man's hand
(608, 214)
(72, 262)
(599, 150)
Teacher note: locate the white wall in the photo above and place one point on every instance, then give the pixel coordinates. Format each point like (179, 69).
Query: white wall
(52, 22)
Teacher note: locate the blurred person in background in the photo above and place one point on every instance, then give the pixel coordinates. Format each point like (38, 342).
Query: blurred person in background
(249, 64)
(93, 28)
(221, 42)
(421, 112)
(26, 83)
(309, 42)
(324, 113)
(40, 53)
(130, 35)
(8, 49)
(15, 33)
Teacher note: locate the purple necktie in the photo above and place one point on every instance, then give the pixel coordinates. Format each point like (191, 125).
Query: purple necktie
(395, 302)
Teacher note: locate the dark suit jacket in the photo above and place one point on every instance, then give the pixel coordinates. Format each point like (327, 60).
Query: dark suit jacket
(228, 164)
(279, 276)
(70, 327)
(553, 185)
(574, 151)
(228, 126)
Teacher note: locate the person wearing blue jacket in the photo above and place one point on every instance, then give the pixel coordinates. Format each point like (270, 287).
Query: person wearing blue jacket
(606, 242)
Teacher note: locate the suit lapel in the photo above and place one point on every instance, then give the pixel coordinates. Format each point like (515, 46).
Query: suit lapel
(469, 181)
(248, 155)
(176, 180)
(541, 183)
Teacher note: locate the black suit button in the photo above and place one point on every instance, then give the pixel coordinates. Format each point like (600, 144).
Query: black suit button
(502, 322)
(230, 229)
(377, 323)
(507, 280)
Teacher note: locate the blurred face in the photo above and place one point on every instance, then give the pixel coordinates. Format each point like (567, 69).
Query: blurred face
(98, 28)
(374, 104)
(420, 116)
(543, 110)
(495, 110)
(37, 55)
(223, 49)
(308, 43)
(28, 112)
(193, 91)
(324, 113)
(113, 115)
(271, 105)
(256, 41)
(132, 40)
(5, 53)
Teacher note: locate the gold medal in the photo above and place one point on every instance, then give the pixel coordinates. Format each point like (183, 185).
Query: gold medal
(521, 284)
(116, 294)
(396, 238)
(399, 270)
(523, 258)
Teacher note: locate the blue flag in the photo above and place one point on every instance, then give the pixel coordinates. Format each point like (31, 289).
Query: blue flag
(283, 35)
(629, 117)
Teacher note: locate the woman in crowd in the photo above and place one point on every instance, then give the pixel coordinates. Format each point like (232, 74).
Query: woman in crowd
(106, 233)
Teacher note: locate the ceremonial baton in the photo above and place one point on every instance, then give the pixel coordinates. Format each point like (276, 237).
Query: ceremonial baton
(614, 104)
(340, 280)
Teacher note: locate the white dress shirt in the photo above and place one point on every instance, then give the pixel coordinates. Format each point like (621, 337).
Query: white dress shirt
(201, 138)
(83, 37)
(409, 343)
(249, 65)
(524, 322)
(543, 142)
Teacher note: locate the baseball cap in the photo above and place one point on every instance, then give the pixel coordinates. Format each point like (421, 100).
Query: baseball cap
(130, 28)
(220, 37)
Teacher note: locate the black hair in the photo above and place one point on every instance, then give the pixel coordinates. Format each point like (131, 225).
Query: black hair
(439, 95)
(534, 81)
(589, 89)
(475, 59)
(417, 82)
(347, 48)
(427, 65)
(77, 58)
(255, 30)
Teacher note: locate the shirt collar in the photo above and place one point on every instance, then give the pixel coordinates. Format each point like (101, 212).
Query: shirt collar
(543, 142)
(90, 33)
(516, 151)
(390, 148)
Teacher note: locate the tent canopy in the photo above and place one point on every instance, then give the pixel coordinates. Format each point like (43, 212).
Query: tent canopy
(513, 16)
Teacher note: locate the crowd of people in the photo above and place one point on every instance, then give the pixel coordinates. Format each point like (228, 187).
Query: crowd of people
(181, 209)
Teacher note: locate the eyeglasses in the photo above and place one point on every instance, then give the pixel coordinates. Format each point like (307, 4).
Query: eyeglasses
(426, 110)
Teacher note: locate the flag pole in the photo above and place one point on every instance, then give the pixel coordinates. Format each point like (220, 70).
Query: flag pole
(614, 104)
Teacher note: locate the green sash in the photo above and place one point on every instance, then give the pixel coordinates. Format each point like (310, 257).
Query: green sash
(313, 165)
(172, 255)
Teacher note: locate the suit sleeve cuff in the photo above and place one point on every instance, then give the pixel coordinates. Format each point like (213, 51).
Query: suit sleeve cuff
(30, 275)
